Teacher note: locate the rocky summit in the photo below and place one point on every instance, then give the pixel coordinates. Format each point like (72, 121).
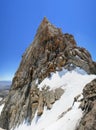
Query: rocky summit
(51, 51)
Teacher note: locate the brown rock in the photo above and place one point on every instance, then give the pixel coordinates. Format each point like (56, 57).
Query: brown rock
(40, 105)
(88, 122)
(88, 105)
(34, 108)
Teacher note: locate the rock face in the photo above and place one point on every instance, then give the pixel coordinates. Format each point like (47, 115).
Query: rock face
(50, 51)
(88, 105)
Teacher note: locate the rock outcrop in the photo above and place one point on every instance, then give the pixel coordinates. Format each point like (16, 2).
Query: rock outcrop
(88, 105)
(49, 52)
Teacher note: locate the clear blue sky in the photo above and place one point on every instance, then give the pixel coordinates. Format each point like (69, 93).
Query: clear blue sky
(19, 20)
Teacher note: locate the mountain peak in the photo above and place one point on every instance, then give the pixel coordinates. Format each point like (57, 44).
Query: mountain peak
(50, 52)
(45, 21)
(46, 31)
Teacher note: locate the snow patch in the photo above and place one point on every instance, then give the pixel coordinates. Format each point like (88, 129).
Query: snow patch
(1, 107)
(0, 98)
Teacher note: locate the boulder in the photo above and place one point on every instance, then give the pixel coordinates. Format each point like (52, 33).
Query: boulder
(58, 93)
(49, 99)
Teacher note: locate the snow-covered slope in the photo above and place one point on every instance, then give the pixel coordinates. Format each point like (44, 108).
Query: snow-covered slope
(64, 115)
(1, 106)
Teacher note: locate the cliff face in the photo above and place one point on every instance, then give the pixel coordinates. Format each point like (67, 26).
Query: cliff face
(50, 51)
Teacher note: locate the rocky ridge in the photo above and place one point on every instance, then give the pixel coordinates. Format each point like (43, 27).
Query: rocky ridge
(50, 51)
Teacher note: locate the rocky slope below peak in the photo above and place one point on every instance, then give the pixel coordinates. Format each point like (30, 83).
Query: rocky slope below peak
(50, 51)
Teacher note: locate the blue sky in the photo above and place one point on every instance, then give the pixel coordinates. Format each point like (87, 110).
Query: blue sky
(19, 20)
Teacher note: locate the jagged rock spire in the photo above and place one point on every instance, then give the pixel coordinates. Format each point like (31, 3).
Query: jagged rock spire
(46, 31)
(44, 22)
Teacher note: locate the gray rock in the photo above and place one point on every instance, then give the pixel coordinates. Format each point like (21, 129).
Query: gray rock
(58, 93)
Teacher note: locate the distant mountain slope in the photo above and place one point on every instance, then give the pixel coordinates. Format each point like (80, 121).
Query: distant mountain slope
(5, 84)
(4, 88)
